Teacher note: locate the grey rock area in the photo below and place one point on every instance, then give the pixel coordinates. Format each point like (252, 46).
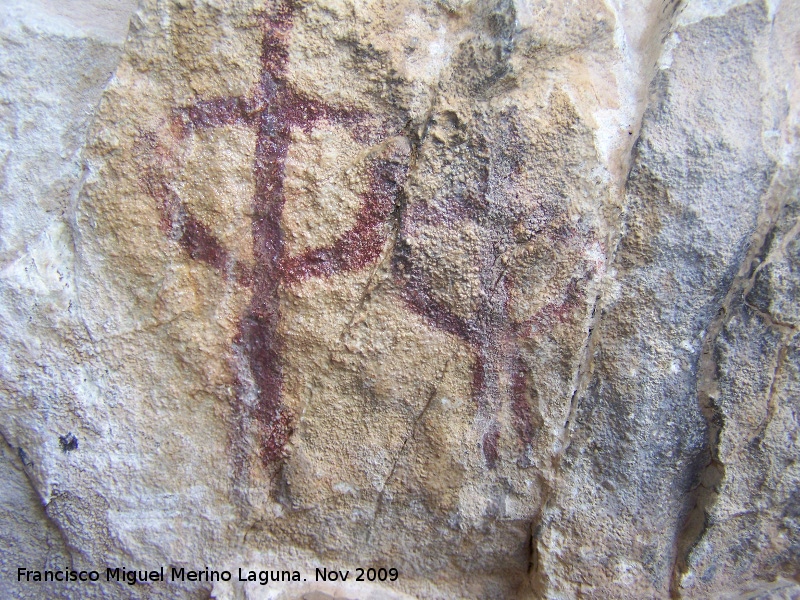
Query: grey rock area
(750, 492)
(57, 58)
(504, 294)
(645, 459)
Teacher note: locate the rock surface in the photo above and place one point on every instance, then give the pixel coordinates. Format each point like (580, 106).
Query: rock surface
(499, 294)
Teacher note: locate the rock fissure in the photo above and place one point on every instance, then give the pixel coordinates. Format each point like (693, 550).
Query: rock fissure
(710, 476)
(379, 501)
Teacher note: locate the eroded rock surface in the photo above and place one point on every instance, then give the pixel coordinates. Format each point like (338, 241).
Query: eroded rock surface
(499, 294)
(645, 454)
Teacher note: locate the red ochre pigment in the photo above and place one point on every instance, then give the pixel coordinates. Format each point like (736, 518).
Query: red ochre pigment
(492, 335)
(272, 110)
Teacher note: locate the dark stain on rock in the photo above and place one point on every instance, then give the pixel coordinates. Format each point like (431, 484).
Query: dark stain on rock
(522, 414)
(490, 452)
(24, 458)
(68, 442)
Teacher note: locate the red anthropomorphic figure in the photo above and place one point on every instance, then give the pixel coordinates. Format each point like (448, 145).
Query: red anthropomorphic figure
(272, 110)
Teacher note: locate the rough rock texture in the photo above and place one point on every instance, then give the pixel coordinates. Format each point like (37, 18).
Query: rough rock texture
(501, 294)
(56, 59)
(655, 430)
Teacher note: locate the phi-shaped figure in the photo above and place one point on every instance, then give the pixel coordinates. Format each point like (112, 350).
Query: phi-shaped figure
(272, 111)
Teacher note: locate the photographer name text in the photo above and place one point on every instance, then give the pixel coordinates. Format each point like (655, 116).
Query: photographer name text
(182, 574)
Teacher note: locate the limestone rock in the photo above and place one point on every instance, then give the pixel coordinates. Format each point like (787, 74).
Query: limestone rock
(645, 454)
(499, 294)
